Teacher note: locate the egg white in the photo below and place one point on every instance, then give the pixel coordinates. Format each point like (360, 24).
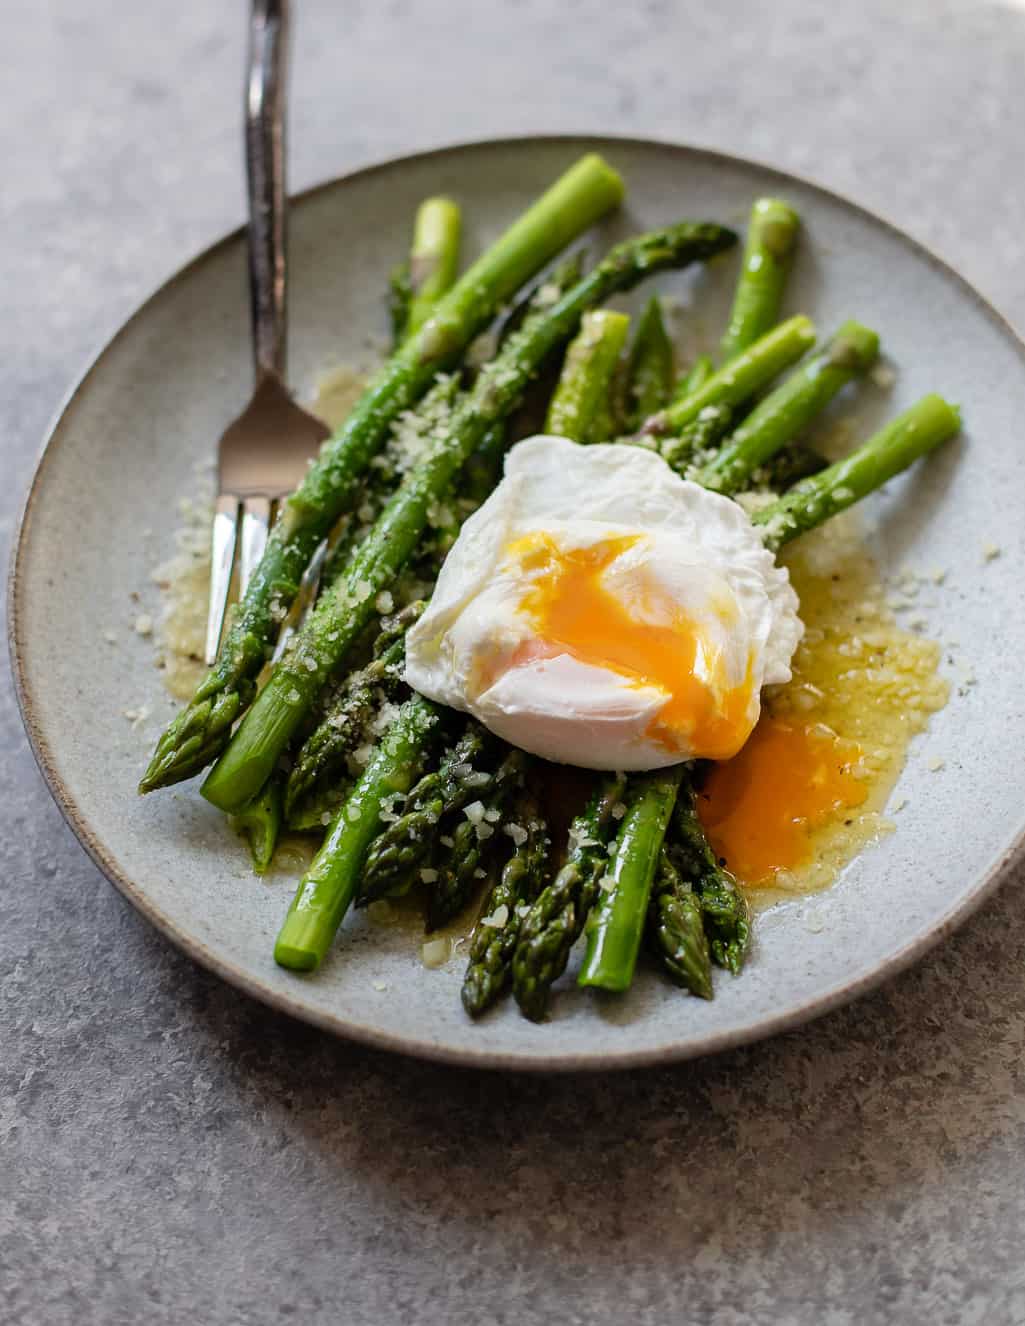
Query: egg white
(693, 550)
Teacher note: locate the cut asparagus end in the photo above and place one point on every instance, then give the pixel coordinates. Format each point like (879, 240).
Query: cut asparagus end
(768, 253)
(433, 258)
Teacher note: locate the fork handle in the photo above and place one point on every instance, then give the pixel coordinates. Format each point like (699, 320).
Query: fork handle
(265, 177)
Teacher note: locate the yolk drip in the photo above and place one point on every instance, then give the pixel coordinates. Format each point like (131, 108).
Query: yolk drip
(760, 808)
(575, 614)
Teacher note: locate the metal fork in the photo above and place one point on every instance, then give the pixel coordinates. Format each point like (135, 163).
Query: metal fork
(264, 454)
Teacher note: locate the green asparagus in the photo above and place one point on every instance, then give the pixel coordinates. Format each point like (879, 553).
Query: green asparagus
(699, 438)
(441, 793)
(917, 431)
(748, 373)
(616, 927)
(494, 940)
(344, 610)
(400, 296)
(676, 930)
(329, 886)
(768, 253)
(575, 409)
(556, 918)
(322, 756)
(474, 843)
(786, 411)
(202, 730)
(724, 908)
(433, 259)
(649, 371)
(260, 821)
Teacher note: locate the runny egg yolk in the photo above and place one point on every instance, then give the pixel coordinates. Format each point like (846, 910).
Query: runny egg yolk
(760, 808)
(574, 613)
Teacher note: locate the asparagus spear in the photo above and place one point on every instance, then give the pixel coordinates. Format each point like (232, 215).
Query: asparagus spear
(615, 929)
(556, 918)
(474, 843)
(699, 438)
(322, 756)
(912, 434)
(676, 930)
(330, 884)
(433, 259)
(400, 296)
(202, 730)
(649, 372)
(495, 937)
(443, 792)
(696, 376)
(575, 409)
(744, 375)
(727, 918)
(771, 240)
(343, 611)
(785, 412)
(260, 821)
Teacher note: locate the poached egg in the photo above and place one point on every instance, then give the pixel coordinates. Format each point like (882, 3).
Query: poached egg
(599, 610)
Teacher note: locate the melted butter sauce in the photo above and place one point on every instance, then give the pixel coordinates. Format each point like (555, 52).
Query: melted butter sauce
(574, 613)
(806, 794)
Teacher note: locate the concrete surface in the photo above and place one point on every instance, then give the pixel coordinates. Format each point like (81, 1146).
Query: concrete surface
(171, 1151)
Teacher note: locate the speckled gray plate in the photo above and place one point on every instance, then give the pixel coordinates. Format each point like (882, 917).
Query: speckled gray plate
(102, 511)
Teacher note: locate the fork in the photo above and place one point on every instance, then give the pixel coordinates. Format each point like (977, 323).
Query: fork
(264, 453)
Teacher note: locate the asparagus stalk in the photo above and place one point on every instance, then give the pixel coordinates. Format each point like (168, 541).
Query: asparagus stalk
(768, 253)
(676, 930)
(260, 821)
(556, 918)
(615, 929)
(330, 884)
(474, 843)
(343, 611)
(649, 372)
(321, 758)
(699, 438)
(495, 937)
(400, 296)
(576, 407)
(202, 730)
(744, 375)
(912, 434)
(433, 259)
(726, 915)
(443, 792)
(785, 412)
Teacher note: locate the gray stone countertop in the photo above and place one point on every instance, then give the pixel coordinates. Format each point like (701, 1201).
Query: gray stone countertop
(173, 1152)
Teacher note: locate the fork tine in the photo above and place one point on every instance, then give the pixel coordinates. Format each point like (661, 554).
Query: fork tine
(308, 589)
(253, 539)
(222, 559)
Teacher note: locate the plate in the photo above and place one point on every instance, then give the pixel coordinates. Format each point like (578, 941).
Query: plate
(102, 511)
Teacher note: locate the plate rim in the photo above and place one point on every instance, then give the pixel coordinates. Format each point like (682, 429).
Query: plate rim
(250, 983)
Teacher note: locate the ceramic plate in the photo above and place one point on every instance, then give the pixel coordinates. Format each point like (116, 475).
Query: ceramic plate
(102, 511)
